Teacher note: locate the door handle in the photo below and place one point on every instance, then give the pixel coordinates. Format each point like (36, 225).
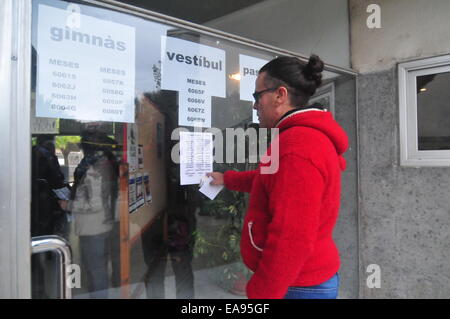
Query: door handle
(53, 243)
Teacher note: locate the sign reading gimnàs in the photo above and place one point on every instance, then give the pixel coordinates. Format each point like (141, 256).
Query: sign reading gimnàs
(87, 71)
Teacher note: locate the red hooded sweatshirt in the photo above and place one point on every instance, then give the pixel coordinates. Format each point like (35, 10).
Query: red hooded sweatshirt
(287, 234)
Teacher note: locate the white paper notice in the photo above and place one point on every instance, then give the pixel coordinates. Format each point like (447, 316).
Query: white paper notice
(140, 200)
(249, 68)
(84, 73)
(42, 125)
(196, 156)
(209, 190)
(148, 194)
(132, 193)
(132, 147)
(141, 156)
(198, 72)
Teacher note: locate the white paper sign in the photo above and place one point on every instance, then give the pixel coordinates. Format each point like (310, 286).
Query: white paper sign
(141, 156)
(249, 68)
(132, 147)
(148, 194)
(198, 72)
(196, 156)
(132, 193)
(140, 200)
(85, 73)
(41, 125)
(209, 190)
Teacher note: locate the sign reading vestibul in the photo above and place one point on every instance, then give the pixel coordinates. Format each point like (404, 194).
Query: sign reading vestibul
(85, 73)
(197, 72)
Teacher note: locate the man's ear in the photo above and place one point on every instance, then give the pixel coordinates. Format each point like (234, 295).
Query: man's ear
(282, 95)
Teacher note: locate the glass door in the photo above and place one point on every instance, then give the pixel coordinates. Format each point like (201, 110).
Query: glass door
(124, 113)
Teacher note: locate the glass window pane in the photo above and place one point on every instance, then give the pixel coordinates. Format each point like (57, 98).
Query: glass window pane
(433, 111)
(135, 231)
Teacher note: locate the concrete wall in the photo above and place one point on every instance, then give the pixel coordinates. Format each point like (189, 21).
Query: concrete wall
(409, 29)
(404, 215)
(346, 231)
(405, 212)
(303, 26)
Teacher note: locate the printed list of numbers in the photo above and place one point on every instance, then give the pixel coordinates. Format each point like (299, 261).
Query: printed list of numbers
(66, 81)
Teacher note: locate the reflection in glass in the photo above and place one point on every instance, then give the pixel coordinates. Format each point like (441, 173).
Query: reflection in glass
(48, 216)
(175, 243)
(433, 111)
(94, 200)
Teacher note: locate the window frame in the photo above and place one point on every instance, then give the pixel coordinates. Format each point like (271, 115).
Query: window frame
(326, 90)
(410, 155)
(16, 56)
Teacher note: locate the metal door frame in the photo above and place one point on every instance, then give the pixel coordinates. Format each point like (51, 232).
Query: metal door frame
(15, 156)
(15, 153)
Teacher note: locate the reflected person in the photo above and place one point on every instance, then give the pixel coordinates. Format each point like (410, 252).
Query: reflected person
(178, 247)
(49, 197)
(94, 207)
(48, 200)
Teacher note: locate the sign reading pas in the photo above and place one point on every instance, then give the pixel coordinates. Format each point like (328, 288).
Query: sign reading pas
(197, 72)
(249, 68)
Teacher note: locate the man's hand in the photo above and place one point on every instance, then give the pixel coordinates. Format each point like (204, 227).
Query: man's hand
(217, 178)
(63, 204)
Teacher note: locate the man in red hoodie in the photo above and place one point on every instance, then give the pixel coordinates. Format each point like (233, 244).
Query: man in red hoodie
(287, 236)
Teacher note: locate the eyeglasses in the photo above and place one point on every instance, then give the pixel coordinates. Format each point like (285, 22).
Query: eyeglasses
(257, 95)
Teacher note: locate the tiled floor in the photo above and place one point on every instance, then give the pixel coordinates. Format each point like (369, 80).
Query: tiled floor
(204, 286)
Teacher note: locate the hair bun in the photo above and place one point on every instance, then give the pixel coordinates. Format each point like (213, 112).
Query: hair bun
(313, 69)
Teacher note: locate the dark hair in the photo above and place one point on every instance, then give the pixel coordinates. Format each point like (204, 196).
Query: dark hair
(300, 79)
(93, 141)
(42, 138)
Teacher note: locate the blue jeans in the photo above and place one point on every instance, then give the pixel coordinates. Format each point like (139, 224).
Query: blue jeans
(327, 290)
(94, 257)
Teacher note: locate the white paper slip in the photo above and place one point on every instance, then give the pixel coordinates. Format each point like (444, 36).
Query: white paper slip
(209, 190)
(62, 193)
